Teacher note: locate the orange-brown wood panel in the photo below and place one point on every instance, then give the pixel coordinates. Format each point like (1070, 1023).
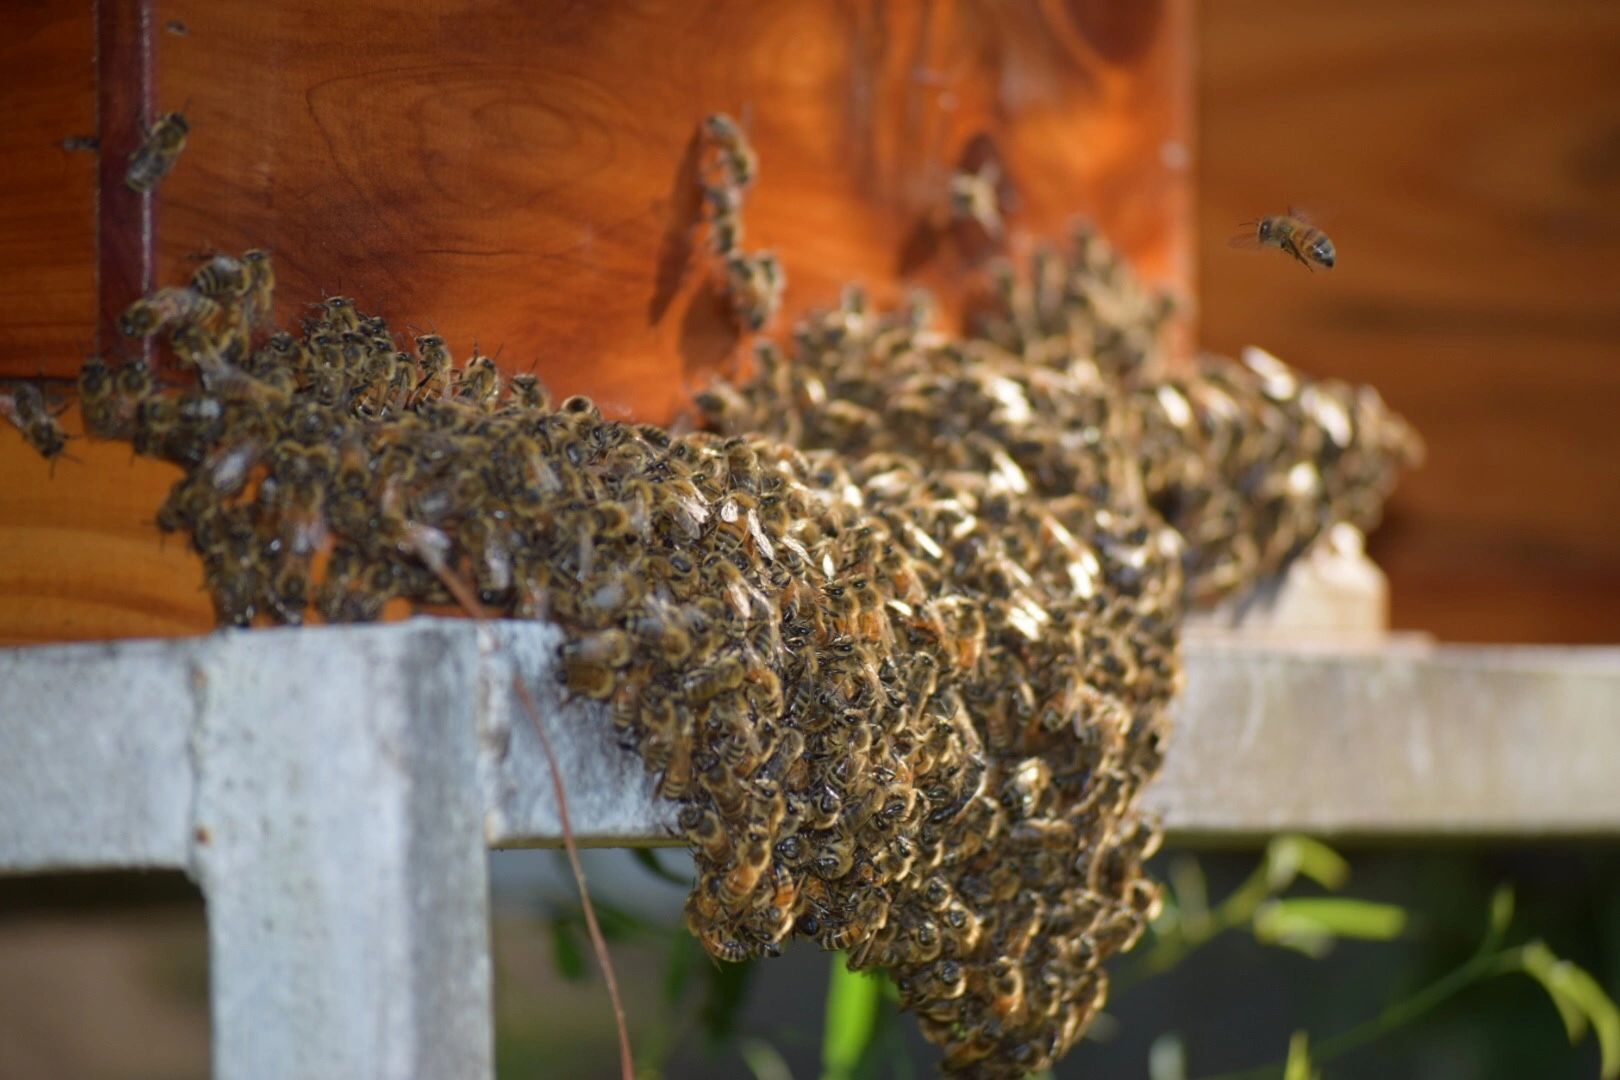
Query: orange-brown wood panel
(525, 174)
(47, 186)
(1467, 157)
(79, 556)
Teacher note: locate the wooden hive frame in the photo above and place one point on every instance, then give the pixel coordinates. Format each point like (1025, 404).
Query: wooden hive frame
(525, 175)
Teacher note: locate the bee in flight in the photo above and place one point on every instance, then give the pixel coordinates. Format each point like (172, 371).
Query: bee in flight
(1293, 234)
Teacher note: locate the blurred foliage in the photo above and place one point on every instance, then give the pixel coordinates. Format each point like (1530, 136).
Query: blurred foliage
(1313, 925)
(1293, 899)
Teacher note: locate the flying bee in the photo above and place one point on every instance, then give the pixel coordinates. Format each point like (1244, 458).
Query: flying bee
(1292, 234)
(152, 161)
(149, 315)
(737, 158)
(25, 407)
(755, 284)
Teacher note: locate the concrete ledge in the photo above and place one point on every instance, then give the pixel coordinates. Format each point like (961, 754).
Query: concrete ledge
(109, 756)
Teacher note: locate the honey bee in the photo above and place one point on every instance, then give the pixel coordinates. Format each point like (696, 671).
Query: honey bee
(755, 283)
(290, 589)
(479, 382)
(151, 162)
(261, 287)
(338, 314)
(25, 407)
(531, 393)
(704, 829)
(834, 858)
(168, 305)
(433, 360)
(744, 874)
(973, 197)
(737, 157)
(221, 278)
(106, 413)
(1292, 234)
(725, 218)
(157, 419)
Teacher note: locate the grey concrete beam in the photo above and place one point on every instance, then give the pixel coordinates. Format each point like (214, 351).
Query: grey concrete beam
(1404, 740)
(337, 838)
(98, 768)
(95, 768)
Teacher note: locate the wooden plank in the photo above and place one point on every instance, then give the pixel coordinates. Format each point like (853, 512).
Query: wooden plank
(47, 190)
(124, 218)
(80, 558)
(1469, 154)
(526, 174)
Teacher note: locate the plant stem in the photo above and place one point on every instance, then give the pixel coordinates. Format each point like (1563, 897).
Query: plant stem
(1400, 1014)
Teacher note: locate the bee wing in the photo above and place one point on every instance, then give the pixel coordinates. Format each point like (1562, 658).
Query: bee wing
(1313, 215)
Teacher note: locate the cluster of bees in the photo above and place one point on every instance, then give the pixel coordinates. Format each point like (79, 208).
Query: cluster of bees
(754, 282)
(899, 631)
(1050, 476)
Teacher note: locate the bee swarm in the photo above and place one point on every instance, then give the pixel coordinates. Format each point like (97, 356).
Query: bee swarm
(900, 633)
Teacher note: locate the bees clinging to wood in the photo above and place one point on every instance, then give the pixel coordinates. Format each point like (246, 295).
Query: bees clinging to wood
(151, 162)
(24, 405)
(899, 631)
(753, 282)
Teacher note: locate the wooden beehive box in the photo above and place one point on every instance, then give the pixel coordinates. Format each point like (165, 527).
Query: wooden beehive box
(525, 175)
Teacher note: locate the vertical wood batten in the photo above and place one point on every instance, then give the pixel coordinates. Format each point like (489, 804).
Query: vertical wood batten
(125, 223)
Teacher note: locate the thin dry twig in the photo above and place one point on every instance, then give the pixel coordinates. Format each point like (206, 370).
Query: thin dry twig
(468, 600)
(626, 1066)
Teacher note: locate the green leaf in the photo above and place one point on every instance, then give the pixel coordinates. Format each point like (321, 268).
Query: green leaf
(618, 923)
(678, 968)
(1501, 911)
(1579, 999)
(1328, 916)
(1190, 890)
(763, 1060)
(1541, 965)
(1298, 1066)
(727, 990)
(1600, 1008)
(648, 858)
(1289, 856)
(1167, 1058)
(853, 1005)
(566, 954)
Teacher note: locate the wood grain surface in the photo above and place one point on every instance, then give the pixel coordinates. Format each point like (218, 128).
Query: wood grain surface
(1465, 157)
(524, 175)
(47, 189)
